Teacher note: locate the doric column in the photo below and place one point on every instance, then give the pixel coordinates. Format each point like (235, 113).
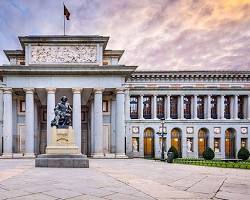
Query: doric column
(98, 123)
(141, 107)
(154, 107)
(29, 122)
(77, 116)
(7, 122)
(50, 111)
(120, 124)
(209, 106)
(235, 106)
(248, 107)
(222, 106)
(127, 105)
(182, 106)
(195, 107)
(1, 119)
(168, 106)
(92, 136)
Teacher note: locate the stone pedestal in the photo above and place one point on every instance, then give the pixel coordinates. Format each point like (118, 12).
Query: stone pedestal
(62, 152)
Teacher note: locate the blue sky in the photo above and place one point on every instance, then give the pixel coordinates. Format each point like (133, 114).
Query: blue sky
(156, 34)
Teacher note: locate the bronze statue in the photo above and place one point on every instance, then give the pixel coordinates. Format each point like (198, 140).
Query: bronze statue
(63, 114)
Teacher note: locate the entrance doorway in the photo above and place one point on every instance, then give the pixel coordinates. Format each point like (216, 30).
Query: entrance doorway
(230, 134)
(176, 139)
(149, 143)
(202, 141)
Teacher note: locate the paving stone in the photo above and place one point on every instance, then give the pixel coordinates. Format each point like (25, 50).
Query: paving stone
(38, 196)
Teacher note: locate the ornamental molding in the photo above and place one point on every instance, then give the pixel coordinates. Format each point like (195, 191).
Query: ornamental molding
(75, 54)
(204, 77)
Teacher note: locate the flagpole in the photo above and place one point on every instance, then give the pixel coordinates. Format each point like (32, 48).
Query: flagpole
(63, 21)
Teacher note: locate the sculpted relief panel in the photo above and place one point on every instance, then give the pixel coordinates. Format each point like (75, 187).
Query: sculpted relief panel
(63, 54)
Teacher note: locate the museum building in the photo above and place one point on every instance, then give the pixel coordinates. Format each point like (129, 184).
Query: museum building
(117, 110)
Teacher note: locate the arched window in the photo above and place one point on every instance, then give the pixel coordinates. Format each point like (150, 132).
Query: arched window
(134, 107)
(160, 107)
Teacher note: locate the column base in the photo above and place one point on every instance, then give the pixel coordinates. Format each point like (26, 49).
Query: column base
(98, 155)
(121, 155)
(29, 155)
(7, 155)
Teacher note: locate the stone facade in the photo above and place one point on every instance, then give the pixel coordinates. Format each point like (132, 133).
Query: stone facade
(116, 110)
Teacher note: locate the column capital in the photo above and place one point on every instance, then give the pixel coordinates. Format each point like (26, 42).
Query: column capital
(98, 90)
(120, 90)
(7, 90)
(28, 90)
(51, 90)
(77, 90)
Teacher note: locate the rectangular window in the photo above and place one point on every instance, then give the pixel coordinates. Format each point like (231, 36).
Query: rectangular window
(174, 107)
(134, 107)
(227, 110)
(147, 107)
(135, 144)
(22, 106)
(187, 107)
(214, 107)
(160, 107)
(200, 107)
(244, 142)
(105, 107)
(241, 107)
(216, 145)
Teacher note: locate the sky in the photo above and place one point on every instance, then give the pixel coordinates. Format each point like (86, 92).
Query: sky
(155, 34)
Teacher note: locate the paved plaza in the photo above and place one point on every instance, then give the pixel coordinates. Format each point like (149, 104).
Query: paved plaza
(121, 179)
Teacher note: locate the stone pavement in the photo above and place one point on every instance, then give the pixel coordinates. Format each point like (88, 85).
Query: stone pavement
(135, 179)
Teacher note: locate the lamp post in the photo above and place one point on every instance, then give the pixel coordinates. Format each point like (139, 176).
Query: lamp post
(162, 132)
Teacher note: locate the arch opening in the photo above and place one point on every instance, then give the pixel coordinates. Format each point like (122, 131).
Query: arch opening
(203, 140)
(230, 151)
(176, 139)
(149, 143)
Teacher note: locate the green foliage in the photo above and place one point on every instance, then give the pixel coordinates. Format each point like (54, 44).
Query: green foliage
(174, 150)
(243, 153)
(208, 154)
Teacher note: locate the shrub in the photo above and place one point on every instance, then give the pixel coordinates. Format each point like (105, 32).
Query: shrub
(243, 153)
(174, 150)
(208, 154)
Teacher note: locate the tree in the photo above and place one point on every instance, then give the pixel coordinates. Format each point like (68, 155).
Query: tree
(174, 150)
(208, 154)
(243, 153)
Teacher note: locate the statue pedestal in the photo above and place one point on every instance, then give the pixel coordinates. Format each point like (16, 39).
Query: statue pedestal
(62, 142)
(62, 152)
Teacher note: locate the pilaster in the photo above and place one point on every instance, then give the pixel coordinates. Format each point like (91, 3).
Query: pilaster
(195, 107)
(141, 107)
(222, 106)
(209, 106)
(236, 107)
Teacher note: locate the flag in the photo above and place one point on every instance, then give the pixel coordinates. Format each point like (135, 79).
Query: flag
(66, 12)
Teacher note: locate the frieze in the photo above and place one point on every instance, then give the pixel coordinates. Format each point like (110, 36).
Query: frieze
(63, 54)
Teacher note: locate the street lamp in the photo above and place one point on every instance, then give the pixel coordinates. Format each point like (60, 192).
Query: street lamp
(162, 132)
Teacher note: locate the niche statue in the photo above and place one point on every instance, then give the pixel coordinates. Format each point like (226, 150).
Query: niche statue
(63, 114)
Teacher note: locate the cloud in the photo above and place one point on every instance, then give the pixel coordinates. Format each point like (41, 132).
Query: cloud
(156, 35)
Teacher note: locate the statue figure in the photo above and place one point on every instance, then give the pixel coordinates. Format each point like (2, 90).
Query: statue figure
(63, 114)
(189, 145)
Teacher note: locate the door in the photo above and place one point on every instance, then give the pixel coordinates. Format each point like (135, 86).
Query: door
(230, 143)
(149, 143)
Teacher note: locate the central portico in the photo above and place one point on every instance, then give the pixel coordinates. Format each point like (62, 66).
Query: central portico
(78, 67)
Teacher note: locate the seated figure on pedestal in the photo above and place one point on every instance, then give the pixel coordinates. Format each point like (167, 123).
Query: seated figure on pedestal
(63, 114)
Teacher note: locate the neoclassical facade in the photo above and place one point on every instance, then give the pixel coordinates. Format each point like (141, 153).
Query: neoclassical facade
(117, 109)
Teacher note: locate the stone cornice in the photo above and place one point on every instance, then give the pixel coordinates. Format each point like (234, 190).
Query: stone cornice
(63, 39)
(190, 76)
(67, 70)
